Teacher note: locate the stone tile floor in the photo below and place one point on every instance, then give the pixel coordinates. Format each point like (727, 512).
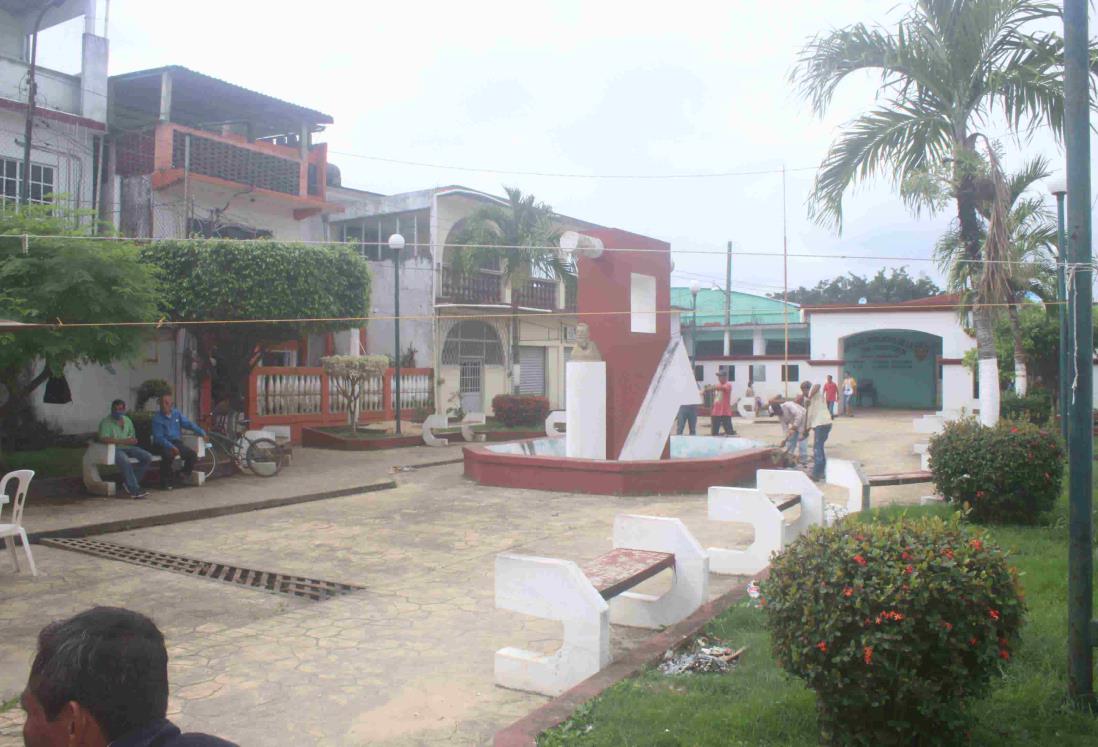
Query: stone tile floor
(409, 659)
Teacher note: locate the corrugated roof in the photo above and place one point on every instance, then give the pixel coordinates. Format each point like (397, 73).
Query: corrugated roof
(747, 308)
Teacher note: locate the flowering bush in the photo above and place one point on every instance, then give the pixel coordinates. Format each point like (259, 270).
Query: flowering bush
(1036, 406)
(895, 626)
(517, 409)
(1010, 473)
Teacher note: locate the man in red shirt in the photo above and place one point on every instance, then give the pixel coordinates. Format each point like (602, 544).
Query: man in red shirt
(720, 415)
(831, 394)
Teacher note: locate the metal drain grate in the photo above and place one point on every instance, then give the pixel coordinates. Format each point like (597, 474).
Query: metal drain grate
(314, 589)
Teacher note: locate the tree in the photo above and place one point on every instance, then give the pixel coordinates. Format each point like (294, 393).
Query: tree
(71, 278)
(947, 68)
(349, 374)
(895, 286)
(1031, 256)
(250, 295)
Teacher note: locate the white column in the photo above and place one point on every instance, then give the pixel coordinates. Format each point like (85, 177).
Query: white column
(758, 343)
(585, 388)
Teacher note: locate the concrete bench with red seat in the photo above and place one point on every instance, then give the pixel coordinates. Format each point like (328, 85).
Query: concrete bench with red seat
(587, 599)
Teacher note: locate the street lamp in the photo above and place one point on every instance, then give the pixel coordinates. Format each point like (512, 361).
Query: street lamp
(695, 287)
(32, 90)
(1058, 187)
(396, 244)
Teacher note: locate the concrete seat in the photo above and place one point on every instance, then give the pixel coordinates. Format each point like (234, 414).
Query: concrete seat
(98, 455)
(586, 600)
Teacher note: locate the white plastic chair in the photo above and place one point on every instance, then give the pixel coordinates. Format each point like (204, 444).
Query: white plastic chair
(15, 529)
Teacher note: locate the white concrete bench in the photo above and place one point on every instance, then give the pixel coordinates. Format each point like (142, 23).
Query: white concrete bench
(555, 422)
(923, 450)
(98, 455)
(762, 507)
(929, 424)
(848, 475)
(746, 407)
(434, 424)
(586, 600)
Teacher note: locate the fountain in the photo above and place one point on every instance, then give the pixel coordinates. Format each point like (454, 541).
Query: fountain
(626, 379)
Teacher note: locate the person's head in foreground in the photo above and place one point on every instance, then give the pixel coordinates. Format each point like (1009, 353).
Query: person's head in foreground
(722, 376)
(101, 678)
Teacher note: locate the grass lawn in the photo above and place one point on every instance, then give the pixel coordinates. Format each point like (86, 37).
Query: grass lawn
(364, 432)
(54, 461)
(757, 704)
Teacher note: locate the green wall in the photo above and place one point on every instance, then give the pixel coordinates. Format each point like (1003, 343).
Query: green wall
(901, 364)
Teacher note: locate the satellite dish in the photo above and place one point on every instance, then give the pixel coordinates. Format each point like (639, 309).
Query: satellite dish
(862, 301)
(573, 242)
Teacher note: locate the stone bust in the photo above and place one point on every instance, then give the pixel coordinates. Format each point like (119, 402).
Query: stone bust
(585, 349)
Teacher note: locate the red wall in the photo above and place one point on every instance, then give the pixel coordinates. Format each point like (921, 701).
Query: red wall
(631, 357)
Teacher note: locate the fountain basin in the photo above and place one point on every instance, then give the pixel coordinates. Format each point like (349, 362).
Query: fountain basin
(696, 464)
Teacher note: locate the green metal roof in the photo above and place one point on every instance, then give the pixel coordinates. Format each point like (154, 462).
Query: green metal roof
(747, 308)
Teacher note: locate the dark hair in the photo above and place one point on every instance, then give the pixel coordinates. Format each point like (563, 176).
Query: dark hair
(118, 402)
(775, 408)
(112, 661)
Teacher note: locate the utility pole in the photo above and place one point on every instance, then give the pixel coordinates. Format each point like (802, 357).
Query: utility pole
(728, 302)
(1081, 627)
(32, 91)
(785, 290)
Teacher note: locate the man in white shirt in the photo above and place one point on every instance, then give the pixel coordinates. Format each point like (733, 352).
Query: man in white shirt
(817, 420)
(792, 417)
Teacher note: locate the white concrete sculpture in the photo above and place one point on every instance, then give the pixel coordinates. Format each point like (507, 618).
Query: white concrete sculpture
(432, 423)
(554, 590)
(98, 455)
(585, 420)
(467, 423)
(746, 408)
(555, 418)
(848, 475)
(923, 450)
(577, 244)
(746, 506)
(672, 385)
(690, 588)
(777, 482)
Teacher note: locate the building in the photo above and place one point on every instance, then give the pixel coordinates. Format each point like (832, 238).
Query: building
(70, 119)
(904, 355)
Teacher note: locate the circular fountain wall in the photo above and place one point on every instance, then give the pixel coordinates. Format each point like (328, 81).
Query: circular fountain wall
(696, 463)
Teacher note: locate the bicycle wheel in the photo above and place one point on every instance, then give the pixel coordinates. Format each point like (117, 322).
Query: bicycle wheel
(264, 457)
(207, 465)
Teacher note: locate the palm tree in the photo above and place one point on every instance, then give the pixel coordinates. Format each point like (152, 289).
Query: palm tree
(1030, 258)
(947, 68)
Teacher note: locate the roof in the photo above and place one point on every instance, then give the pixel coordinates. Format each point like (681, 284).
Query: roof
(198, 98)
(944, 302)
(747, 308)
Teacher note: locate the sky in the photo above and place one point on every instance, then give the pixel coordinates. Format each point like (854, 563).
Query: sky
(567, 87)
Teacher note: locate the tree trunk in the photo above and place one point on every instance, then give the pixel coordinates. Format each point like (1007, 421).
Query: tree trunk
(1020, 379)
(987, 366)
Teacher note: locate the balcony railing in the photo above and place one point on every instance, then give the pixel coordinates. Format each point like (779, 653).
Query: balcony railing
(474, 288)
(536, 294)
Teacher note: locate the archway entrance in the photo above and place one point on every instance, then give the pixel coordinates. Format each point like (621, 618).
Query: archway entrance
(894, 367)
(471, 346)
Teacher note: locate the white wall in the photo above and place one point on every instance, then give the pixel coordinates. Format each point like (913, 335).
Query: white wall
(826, 330)
(67, 148)
(773, 385)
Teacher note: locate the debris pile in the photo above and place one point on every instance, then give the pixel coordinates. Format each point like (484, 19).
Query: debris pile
(702, 656)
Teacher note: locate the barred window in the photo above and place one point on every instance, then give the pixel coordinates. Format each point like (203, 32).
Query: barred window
(472, 339)
(11, 179)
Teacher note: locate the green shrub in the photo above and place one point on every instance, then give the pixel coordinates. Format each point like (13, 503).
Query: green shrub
(1036, 406)
(150, 389)
(520, 409)
(1009, 474)
(895, 626)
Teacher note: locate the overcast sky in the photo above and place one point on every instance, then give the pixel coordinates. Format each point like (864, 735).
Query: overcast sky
(593, 88)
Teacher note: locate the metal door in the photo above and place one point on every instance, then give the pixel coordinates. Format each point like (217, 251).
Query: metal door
(470, 385)
(532, 367)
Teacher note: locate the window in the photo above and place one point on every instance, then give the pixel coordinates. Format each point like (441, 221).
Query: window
(472, 340)
(729, 371)
(11, 177)
(758, 372)
(372, 234)
(791, 373)
(975, 385)
(699, 373)
(743, 347)
(796, 347)
(706, 348)
(642, 303)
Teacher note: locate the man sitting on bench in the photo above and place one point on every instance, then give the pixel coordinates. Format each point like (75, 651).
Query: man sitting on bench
(117, 429)
(167, 433)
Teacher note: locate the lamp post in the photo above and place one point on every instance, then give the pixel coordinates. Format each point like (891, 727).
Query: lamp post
(1058, 187)
(695, 286)
(396, 245)
(32, 90)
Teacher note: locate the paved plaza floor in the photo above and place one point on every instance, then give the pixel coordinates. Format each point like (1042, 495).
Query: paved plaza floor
(406, 660)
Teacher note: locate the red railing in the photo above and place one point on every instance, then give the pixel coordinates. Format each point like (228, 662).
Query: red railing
(475, 288)
(300, 396)
(536, 294)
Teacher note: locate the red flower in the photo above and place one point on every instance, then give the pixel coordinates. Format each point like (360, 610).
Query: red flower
(848, 592)
(822, 646)
(909, 569)
(1013, 430)
(859, 537)
(947, 553)
(972, 641)
(905, 555)
(868, 655)
(980, 494)
(994, 614)
(859, 560)
(976, 544)
(948, 625)
(1004, 654)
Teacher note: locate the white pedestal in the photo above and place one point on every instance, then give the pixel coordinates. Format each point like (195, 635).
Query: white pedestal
(585, 385)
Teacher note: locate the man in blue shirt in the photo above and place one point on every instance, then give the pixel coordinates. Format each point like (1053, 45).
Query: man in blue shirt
(167, 435)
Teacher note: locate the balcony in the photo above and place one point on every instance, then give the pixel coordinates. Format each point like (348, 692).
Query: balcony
(536, 294)
(479, 288)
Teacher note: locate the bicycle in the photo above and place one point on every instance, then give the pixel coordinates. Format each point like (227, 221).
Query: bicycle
(261, 456)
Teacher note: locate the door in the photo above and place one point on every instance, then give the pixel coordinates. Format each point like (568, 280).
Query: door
(470, 385)
(532, 370)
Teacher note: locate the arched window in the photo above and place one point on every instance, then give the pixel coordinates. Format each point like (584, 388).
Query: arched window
(472, 339)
